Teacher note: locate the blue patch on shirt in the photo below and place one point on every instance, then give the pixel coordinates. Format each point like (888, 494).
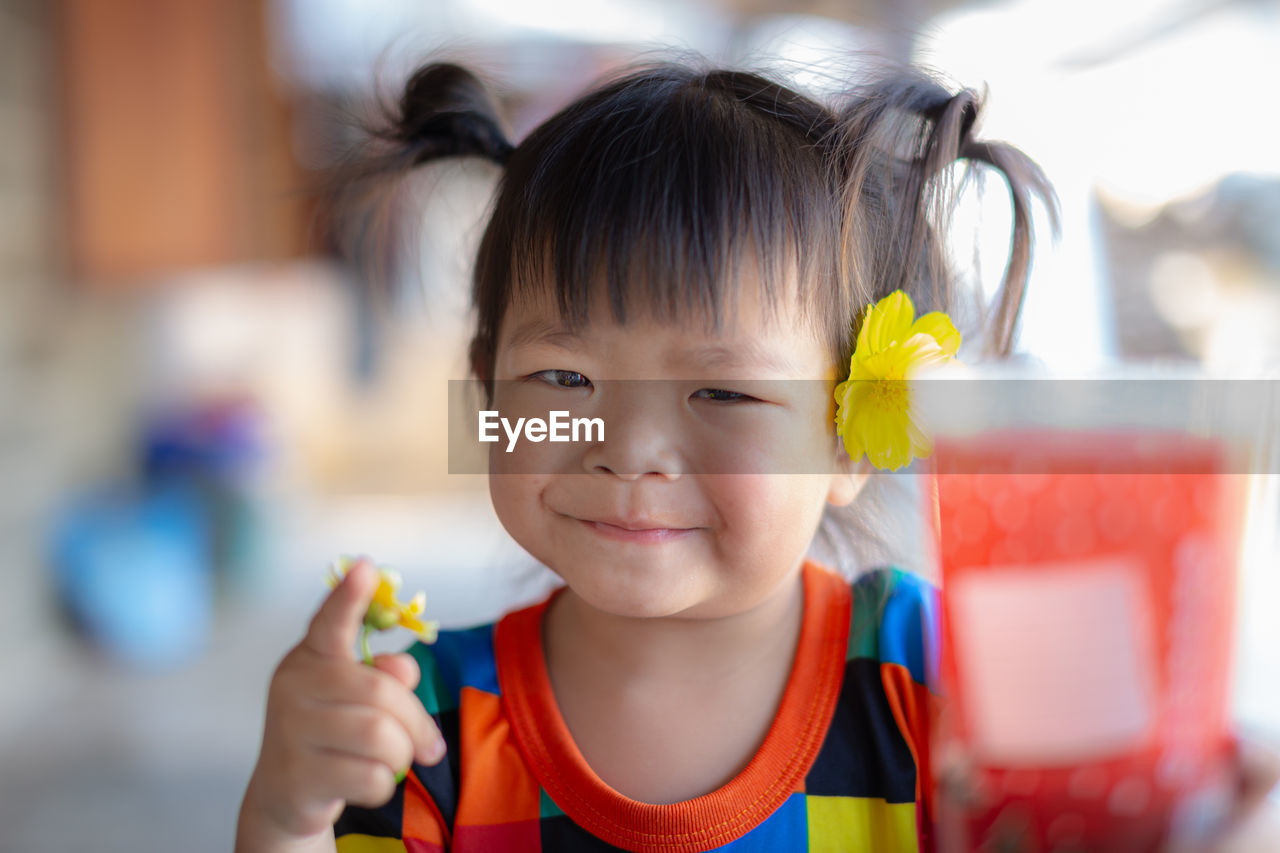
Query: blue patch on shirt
(465, 659)
(909, 627)
(780, 831)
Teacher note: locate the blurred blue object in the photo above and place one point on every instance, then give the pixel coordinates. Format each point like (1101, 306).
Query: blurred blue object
(132, 569)
(221, 437)
(216, 449)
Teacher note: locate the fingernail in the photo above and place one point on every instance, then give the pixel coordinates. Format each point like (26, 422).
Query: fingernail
(435, 752)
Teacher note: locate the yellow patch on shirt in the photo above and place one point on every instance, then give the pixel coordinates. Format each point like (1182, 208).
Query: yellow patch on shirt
(369, 844)
(857, 824)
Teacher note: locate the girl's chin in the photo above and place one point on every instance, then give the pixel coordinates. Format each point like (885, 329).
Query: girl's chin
(617, 598)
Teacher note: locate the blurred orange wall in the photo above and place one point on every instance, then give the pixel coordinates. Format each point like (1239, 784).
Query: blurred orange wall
(175, 140)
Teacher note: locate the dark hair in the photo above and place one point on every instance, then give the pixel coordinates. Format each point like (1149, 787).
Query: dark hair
(655, 187)
(661, 182)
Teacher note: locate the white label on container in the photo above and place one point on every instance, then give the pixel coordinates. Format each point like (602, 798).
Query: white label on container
(1056, 660)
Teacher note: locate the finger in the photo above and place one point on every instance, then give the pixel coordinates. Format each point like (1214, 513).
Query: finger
(402, 667)
(376, 688)
(359, 781)
(336, 625)
(362, 731)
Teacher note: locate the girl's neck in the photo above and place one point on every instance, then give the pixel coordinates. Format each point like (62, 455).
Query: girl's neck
(674, 651)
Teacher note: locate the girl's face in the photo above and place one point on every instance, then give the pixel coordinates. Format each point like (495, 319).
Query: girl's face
(691, 504)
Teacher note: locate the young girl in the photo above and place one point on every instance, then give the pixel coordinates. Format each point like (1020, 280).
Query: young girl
(698, 683)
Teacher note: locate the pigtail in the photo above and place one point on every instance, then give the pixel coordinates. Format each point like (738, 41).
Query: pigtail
(444, 111)
(898, 139)
(1025, 180)
(894, 148)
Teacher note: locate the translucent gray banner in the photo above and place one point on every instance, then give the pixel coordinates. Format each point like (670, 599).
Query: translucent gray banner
(565, 423)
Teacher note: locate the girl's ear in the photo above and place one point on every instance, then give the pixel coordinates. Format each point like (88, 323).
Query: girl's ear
(848, 479)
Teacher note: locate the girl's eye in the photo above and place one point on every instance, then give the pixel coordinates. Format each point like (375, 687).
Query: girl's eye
(719, 395)
(563, 378)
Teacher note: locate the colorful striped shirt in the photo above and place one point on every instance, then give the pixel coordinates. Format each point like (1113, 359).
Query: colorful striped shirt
(843, 767)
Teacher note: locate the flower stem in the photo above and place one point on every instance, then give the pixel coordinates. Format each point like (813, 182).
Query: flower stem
(365, 631)
(364, 645)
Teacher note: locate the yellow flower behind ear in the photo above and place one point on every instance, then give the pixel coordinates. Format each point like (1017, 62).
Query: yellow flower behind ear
(873, 406)
(385, 612)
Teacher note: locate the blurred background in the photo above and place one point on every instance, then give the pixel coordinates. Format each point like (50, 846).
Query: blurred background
(200, 407)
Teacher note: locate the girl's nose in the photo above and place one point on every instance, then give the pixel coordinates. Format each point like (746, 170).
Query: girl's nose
(639, 438)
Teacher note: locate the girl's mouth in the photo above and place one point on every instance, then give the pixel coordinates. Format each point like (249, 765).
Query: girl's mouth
(641, 532)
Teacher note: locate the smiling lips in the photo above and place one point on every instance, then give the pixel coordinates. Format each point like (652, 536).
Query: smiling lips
(639, 531)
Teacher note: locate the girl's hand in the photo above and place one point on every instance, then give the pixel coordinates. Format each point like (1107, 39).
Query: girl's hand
(336, 731)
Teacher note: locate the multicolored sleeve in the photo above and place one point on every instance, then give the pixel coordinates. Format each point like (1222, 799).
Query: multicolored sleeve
(904, 608)
(424, 804)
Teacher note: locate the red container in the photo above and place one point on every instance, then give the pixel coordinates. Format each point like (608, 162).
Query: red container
(1088, 589)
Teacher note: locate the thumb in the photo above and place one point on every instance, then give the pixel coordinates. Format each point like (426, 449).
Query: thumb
(402, 667)
(336, 625)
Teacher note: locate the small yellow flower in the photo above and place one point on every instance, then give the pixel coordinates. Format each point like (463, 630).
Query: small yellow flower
(873, 414)
(385, 612)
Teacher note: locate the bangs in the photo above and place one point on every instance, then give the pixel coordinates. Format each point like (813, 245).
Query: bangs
(658, 192)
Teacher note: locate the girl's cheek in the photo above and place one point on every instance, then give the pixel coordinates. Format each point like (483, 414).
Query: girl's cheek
(763, 499)
(524, 456)
(768, 443)
(515, 501)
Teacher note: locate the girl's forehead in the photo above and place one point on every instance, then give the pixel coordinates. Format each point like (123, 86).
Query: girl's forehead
(540, 317)
(750, 339)
(744, 303)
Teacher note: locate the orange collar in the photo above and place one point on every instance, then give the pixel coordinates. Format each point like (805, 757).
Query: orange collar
(775, 772)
